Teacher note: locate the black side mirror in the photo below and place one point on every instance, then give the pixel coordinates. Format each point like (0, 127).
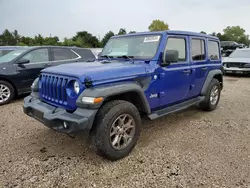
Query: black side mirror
(22, 61)
(171, 56)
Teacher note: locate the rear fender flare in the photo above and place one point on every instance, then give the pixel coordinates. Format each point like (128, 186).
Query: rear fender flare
(208, 80)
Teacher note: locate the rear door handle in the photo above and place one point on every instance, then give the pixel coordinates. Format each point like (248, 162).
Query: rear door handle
(204, 68)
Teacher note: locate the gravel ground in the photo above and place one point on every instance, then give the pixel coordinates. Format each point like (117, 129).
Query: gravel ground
(186, 149)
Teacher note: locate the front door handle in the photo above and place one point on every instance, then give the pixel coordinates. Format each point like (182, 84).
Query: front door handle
(187, 71)
(203, 68)
(47, 65)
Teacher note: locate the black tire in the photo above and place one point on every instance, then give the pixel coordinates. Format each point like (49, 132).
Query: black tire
(12, 92)
(207, 104)
(100, 133)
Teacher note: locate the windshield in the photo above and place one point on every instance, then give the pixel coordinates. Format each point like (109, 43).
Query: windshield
(141, 47)
(11, 55)
(240, 54)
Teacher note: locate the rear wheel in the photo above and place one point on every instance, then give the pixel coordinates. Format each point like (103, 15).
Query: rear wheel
(7, 92)
(116, 129)
(212, 96)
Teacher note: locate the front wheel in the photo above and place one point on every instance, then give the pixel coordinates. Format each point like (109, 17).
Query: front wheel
(7, 92)
(116, 129)
(212, 96)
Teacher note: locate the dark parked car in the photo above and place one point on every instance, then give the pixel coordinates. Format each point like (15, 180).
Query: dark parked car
(19, 68)
(6, 49)
(228, 47)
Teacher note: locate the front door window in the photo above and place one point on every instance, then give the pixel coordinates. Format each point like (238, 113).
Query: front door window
(37, 56)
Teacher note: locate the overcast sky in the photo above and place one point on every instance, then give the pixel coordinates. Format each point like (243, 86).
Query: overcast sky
(64, 18)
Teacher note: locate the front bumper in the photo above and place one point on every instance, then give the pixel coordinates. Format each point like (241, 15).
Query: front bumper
(235, 70)
(57, 118)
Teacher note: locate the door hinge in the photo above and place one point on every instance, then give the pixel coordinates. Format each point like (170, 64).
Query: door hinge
(191, 87)
(162, 75)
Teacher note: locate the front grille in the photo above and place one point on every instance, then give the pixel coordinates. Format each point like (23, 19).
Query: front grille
(53, 88)
(237, 65)
(57, 90)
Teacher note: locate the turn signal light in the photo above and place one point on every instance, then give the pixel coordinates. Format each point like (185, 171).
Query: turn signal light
(92, 100)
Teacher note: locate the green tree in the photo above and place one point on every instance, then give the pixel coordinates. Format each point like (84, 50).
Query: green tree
(85, 39)
(203, 32)
(122, 31)
(158, 25)
(68, 42)
(39, 40)
(51, 41)
(106, 37)
(16, 36)
(7, 38)
(21, 44)
(26, 41)
(222, 37)
(213, 34)
(237, 34)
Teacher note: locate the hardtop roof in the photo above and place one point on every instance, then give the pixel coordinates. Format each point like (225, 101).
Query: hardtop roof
(171, 32)
(42, 46)
(12, 47)
(70, 47)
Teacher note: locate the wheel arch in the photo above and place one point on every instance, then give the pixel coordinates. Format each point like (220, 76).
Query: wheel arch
(130, 91)
(217, 74)
(10, 82)
(132, 96)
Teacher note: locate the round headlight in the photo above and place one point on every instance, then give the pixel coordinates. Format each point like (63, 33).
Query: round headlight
(76, 87)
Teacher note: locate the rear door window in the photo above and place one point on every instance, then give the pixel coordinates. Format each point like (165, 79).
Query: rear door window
(198, 50)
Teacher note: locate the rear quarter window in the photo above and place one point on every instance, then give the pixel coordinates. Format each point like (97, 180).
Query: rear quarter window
(85, 54)
(213, 50)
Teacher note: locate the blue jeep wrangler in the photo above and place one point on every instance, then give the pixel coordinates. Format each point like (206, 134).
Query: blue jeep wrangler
(148, 74)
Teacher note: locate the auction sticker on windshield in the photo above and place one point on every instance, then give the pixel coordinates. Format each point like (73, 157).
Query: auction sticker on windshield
(152, 39)
(16, 54)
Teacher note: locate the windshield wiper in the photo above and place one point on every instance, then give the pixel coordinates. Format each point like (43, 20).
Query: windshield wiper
(90, 61)
(109, 57)
(126, 57)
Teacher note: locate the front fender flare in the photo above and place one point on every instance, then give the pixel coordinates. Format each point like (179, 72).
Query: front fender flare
(110, 90)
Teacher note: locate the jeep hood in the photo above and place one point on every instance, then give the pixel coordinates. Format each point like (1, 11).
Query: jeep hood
(99, 71)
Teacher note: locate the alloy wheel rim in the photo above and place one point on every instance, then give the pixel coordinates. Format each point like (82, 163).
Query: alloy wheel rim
(4, 93)
(214, 96)
(122, 131)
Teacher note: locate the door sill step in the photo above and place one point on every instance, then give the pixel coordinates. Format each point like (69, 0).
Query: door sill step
(175, 108)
